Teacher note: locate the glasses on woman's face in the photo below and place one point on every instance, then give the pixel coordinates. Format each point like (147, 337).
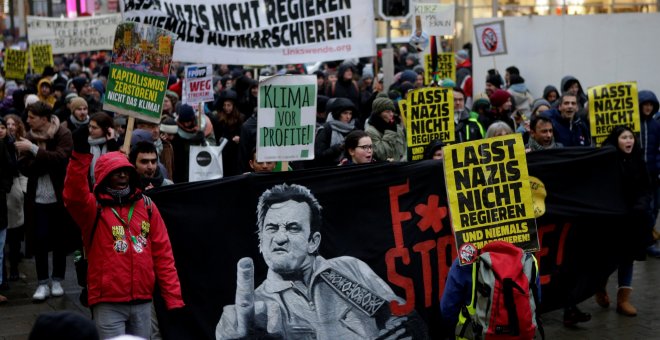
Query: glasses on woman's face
(365, 147)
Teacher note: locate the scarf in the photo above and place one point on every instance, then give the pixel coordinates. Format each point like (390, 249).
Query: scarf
(77, 123)
(97, 148)
(340, 130)
(40, 137)
(535, 146)
(120, 194)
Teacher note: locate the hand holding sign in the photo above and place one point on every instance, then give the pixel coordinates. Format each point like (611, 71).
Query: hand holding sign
(248, 317)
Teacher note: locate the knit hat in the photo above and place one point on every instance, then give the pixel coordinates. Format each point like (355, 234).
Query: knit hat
(382, 103)
(63, 325)
(538, 103)
(70, 96)
(168, 125)
(98, 86)
(31, 99)
(461, 56)
(186, 113)
(409, 76)
(337, 105)
(172, 94)
(499, 97)
(79, 83)
(77, 103)
(494, 79)
(481, 102)
(140, 135)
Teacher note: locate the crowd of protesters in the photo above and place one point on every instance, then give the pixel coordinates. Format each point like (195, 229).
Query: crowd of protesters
(47, 118)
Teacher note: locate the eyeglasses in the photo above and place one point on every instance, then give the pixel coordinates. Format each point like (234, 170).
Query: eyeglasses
(365, 147)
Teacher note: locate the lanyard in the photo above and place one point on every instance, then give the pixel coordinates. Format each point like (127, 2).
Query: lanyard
(130, 214)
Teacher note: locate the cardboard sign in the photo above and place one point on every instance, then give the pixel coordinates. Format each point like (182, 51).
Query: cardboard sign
(138, 76)
(287, 118)
(16, 64)
(198, 84)
(73, 35)
(490, 38)
(41, 56)
(429, 116)
(612, 105)
(489, 193)
(437, 19)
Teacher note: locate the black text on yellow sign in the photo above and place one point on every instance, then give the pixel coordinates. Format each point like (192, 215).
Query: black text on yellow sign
(612, 105)
(16, 63)
(429, 117)
(446, 67)
(489, 192)
(41, 56)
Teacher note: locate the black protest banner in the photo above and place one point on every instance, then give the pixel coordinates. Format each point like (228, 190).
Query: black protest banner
(612, 105)
(394, 217)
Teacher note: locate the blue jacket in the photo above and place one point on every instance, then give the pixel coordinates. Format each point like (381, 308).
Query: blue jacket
(458, 293)
(569, 133)
(650, 133)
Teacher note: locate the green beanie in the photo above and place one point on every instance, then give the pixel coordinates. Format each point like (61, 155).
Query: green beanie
(382, 103)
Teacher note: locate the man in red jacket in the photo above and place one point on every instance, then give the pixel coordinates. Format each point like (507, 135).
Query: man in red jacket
(127, 251)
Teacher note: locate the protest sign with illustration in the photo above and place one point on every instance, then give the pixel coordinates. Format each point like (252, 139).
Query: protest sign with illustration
(261, 32)
(198, 84)
(611, 105)
(489, 195)
(139, 71)
(490, 38)
(41, 56)
(429, 116)
(73, 35)
(446, 67)
(287, 118)
(16, 64)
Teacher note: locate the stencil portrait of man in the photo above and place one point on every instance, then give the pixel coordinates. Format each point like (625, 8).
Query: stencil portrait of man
(306, 296)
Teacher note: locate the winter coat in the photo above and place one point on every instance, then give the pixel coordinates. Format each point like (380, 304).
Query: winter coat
(569, 133)
(52, 159)
(387, 143)
(6, 180)
(344, 88)
(650, 134)
(123, 264)
(522, 98)
(468, 128)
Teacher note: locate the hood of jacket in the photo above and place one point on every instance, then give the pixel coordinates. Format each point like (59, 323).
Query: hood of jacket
(341, 70)
(110, 162)
(548, 89)
(646, 96)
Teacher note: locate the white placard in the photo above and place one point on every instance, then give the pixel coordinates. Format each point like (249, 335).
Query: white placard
(74, 35)
(261, 32)
(490, 38)
(437, 19)
(198, 84)
(286, 123)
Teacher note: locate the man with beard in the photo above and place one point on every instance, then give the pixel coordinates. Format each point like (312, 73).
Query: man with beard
(540, 134)
(145, 159)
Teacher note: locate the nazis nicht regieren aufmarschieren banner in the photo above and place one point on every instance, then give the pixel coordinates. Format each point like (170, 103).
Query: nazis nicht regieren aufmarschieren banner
(394, 218)
(261, 32)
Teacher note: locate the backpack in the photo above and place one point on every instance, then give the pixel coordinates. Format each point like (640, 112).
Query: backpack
(504, 296)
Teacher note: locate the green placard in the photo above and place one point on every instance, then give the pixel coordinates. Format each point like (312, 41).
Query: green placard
(135, 93)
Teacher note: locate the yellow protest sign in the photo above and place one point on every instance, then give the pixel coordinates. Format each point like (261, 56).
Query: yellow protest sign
(489, 194)
(16, 64)
(40, 57)
(611, 105)
(429, 116)
(164, 44)
(446, 67)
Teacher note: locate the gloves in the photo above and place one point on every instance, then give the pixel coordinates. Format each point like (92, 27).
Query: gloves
(80, 143)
